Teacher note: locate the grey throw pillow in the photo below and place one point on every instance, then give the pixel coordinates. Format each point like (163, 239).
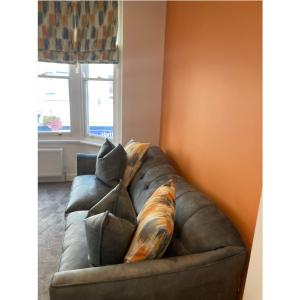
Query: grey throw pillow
(106, 148)
(108, 238)
(111, 163)
(117, 202)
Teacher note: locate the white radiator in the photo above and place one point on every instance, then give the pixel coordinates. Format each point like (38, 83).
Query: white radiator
(50, 162)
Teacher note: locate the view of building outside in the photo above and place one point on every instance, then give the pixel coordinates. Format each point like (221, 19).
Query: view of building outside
(53, 104)
(99, 85)
(54, 98)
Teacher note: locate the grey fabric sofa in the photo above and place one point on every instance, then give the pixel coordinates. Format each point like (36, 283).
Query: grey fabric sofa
(204, 260)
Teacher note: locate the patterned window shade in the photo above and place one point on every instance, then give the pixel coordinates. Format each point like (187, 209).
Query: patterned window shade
(78, 31)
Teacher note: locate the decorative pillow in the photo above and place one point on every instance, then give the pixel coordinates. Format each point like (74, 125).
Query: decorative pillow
(135, 152)
(155, 225)
(117, 202)
(108, 238)
(111, 163)
(106, 147)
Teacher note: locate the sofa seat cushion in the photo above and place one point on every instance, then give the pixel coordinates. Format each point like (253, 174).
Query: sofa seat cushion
(86, 191)
(75, 251)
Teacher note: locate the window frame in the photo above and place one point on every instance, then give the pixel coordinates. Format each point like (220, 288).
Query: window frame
(85, 80)
(55, 133)
(78, 102)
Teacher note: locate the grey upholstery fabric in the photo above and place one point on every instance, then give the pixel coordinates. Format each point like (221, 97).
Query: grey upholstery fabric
(86, 164)
(212, 275)
(86, 191)
(106, 147)
(108, 238)
(118, 202)
(111, 163)
(203, 261)
(193, 210)
(74, 252)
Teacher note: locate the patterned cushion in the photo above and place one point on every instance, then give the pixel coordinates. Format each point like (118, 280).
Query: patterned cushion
(111, 163)
(117, 202)
(135, 153)
(155, 225)
(108, 238)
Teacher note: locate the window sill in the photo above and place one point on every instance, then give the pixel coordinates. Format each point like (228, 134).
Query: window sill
(92, 143)
(85, 142)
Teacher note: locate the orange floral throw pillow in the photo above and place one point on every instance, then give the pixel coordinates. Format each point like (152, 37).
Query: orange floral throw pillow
(155, 225)
(135, 152)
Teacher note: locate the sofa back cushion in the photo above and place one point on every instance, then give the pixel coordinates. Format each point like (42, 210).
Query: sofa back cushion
(199, 225)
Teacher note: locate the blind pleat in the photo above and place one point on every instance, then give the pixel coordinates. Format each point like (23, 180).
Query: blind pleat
(78, 31)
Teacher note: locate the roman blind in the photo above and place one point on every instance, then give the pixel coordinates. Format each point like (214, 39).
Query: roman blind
(78, 31)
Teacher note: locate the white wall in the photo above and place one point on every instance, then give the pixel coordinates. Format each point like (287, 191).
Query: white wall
(142, 64)
(253, 287)
(70, 150)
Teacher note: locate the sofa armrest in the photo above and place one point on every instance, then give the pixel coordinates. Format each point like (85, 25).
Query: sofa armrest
(86, 163)
(211, 275)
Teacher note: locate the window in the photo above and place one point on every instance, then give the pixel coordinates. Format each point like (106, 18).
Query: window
(98, 85)
(65, 91)
(53, 98)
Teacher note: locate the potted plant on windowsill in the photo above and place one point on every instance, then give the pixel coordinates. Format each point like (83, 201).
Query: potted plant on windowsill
(53, 122)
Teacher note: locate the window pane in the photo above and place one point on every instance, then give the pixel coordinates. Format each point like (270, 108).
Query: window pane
(53, 69)
(100, 108)
(100, 71)
(53, 105)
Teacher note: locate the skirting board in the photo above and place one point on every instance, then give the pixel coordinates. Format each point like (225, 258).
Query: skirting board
(68, 177)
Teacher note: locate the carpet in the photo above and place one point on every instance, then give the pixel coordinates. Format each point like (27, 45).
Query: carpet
(52, 201)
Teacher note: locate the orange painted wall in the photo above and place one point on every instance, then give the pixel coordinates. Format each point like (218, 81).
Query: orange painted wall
(211, 124)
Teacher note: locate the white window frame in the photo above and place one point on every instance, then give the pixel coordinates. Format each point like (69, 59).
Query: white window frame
(86, 106)
(79, 108)
(55, 134)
